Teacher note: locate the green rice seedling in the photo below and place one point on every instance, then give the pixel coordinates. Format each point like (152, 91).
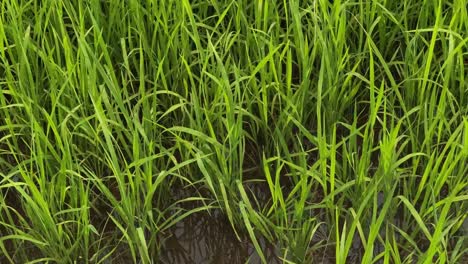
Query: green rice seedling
(333, 131)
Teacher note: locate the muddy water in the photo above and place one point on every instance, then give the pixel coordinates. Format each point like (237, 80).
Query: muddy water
(208, 238)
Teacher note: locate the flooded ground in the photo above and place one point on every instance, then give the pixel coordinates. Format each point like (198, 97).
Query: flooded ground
(204, 238)
(207, 237)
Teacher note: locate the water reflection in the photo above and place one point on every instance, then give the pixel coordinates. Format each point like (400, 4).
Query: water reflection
(208, 238)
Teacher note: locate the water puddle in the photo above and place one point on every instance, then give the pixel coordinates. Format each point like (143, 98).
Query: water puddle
(207, 237)
(204, 238)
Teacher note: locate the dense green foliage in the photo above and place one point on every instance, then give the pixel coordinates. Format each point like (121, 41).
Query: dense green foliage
(352, 114)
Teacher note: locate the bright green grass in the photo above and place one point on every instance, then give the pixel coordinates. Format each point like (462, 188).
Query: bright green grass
(359, 107)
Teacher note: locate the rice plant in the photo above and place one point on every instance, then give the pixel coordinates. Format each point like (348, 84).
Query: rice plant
(316, 131)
